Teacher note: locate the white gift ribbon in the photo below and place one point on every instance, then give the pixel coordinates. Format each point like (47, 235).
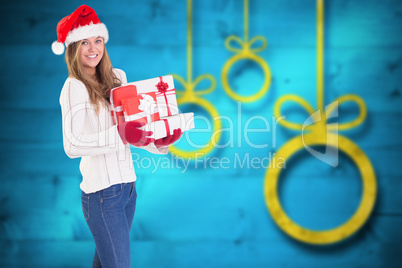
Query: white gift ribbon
(117, 108)
(147, 104)
(114, 109)
(136, 116)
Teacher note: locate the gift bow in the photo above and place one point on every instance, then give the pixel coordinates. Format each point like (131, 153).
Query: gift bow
(147, 104)
(162, 86)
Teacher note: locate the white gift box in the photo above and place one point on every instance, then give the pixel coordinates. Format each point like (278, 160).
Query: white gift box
(166, 125)
(163, 87)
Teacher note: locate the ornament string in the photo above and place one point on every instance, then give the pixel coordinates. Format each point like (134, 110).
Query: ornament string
(246, 50)
(192, 95)
(320, 116)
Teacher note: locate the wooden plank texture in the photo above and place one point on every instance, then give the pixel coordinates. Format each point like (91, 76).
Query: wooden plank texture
(210, 212)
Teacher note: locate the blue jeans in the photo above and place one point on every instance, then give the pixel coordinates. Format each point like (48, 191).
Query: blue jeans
(109, 214)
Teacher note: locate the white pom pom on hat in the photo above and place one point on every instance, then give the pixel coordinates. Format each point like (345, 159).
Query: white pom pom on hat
(81, 24)
(57, 48)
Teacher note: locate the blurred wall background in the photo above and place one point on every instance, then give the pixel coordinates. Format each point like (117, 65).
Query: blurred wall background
(204, 213)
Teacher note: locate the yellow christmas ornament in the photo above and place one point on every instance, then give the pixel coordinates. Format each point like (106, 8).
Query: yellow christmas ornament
(246, 52)
(321, 134)
(192, 96)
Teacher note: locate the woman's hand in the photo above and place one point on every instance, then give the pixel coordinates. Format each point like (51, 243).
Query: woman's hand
(130, 133)
(169, 139)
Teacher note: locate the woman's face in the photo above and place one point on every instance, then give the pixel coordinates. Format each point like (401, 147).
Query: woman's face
(91, 53)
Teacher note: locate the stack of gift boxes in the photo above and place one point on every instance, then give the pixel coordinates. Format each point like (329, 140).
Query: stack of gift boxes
(152, 101)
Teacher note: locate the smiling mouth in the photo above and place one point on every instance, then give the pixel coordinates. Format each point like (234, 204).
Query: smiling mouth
(92, 56)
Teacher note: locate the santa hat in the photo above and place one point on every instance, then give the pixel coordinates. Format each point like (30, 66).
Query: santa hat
(81, 24)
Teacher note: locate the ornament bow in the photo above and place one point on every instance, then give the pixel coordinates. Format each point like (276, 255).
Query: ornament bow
(246, 46)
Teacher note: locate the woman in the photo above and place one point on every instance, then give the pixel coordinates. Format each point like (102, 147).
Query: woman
(108, 179)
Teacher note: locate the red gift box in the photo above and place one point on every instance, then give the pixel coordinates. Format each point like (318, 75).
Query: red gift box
(116, 97)
(141, 108)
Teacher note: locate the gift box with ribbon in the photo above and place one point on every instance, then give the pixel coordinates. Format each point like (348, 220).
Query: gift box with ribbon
(163, 88)
(141, 108)
(165, 93)
(153, 101)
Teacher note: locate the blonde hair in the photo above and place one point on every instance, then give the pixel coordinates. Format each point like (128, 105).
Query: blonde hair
(98, 88)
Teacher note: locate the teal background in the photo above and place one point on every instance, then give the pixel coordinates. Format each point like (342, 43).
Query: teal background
(207, 216)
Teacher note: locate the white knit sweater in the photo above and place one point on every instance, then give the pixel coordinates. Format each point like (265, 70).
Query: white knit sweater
(105, 160)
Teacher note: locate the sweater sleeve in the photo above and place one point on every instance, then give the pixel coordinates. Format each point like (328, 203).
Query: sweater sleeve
(121, 75)
(78, 138)
(156, 150)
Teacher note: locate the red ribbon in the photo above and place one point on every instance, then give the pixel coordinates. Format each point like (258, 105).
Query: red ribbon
(163, 88)
(167, 127)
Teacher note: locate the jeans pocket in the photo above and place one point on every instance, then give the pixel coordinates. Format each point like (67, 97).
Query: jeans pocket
(112, 191)
(133, 192)
(85, 205)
